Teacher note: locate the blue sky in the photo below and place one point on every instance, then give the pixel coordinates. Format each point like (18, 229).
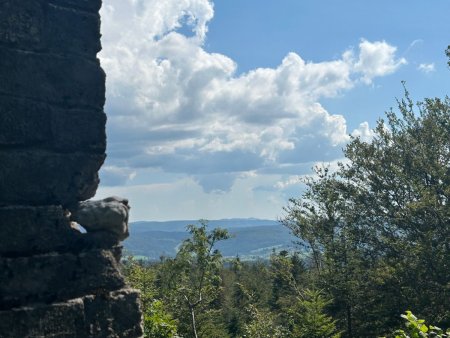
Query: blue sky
(216, 109)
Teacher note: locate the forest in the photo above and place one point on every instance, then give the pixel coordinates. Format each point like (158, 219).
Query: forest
(374, 259)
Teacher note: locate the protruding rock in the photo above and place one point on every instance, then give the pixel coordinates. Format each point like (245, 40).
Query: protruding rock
(107, 215)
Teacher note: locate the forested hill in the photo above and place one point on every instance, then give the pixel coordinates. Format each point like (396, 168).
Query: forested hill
(180, 225)
(252, 238)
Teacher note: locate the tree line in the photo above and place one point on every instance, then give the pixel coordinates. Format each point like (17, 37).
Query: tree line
(199, 294)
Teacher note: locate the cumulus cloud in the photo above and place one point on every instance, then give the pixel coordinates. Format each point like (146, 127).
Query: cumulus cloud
(364, 132)
(176, 107)
(377, 59)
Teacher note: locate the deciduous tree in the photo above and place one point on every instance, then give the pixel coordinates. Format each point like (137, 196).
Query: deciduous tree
(193, 276)
(385, 211)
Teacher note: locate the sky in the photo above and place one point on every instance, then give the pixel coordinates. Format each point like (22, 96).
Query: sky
(217, 109)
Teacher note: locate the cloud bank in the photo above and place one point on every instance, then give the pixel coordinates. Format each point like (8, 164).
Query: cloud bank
(176, 108)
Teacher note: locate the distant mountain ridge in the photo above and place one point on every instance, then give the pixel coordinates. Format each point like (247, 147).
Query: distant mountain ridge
(180, 225)
(251, 238)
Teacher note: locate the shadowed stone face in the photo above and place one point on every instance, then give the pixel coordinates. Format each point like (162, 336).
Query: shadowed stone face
(54, 280)
(52, 93)
(21, 24)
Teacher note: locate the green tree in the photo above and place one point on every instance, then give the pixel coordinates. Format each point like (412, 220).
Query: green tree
(321, 218)
(309, 319)
(158, 323)
(301, 310)
(385, 211)
(287, 275)
(191, 281)
(263, 325)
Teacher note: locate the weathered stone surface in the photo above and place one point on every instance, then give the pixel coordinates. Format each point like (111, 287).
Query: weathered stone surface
(55, 277)
(33, 230)
(24, 122)
(40, 230)
(44, 27)
(117, 315)
(108, 215)
(55, 281)
(83, 29)
(87, 5)
(80, 130)
(32, 123)
(22, 23)
(46, 178)
(110, 315)
(68, 81)
(61, 320)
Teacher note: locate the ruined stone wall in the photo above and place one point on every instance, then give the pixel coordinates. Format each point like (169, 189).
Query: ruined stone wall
(54, 280)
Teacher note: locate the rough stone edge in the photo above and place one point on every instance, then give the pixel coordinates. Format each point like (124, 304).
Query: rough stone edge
(78, 313)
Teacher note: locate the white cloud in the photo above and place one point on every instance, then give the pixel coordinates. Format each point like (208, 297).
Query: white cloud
(426, 67)
(377, 59)
(364, 132)
(176, 107)
(140, 21)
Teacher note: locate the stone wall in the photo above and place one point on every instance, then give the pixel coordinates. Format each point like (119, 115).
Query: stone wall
(54, 280)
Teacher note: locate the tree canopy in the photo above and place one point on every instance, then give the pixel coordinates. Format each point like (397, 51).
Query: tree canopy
(378, 227)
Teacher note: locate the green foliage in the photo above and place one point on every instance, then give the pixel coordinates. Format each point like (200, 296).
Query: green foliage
(384, 212)
(309, 319)
(416, 328)
(246, 286)
(303, 311)
(257, 299)
(191, 281)
(262, 325)
(284, 283)
(158, 323)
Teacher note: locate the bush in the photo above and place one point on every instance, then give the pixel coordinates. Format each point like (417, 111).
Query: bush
(416, 328)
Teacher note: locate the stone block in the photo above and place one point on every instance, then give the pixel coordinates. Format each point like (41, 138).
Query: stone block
(37, 177)
(27, 231)
(35, 124)
(86, 5)
(61, 320)
(110, 315)
(39, 26)
(33, 230)
(71, 31)
(22, 23)
(24, 122)
(71, 82)
(81, 130)
(57, 277)
(117, 312)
